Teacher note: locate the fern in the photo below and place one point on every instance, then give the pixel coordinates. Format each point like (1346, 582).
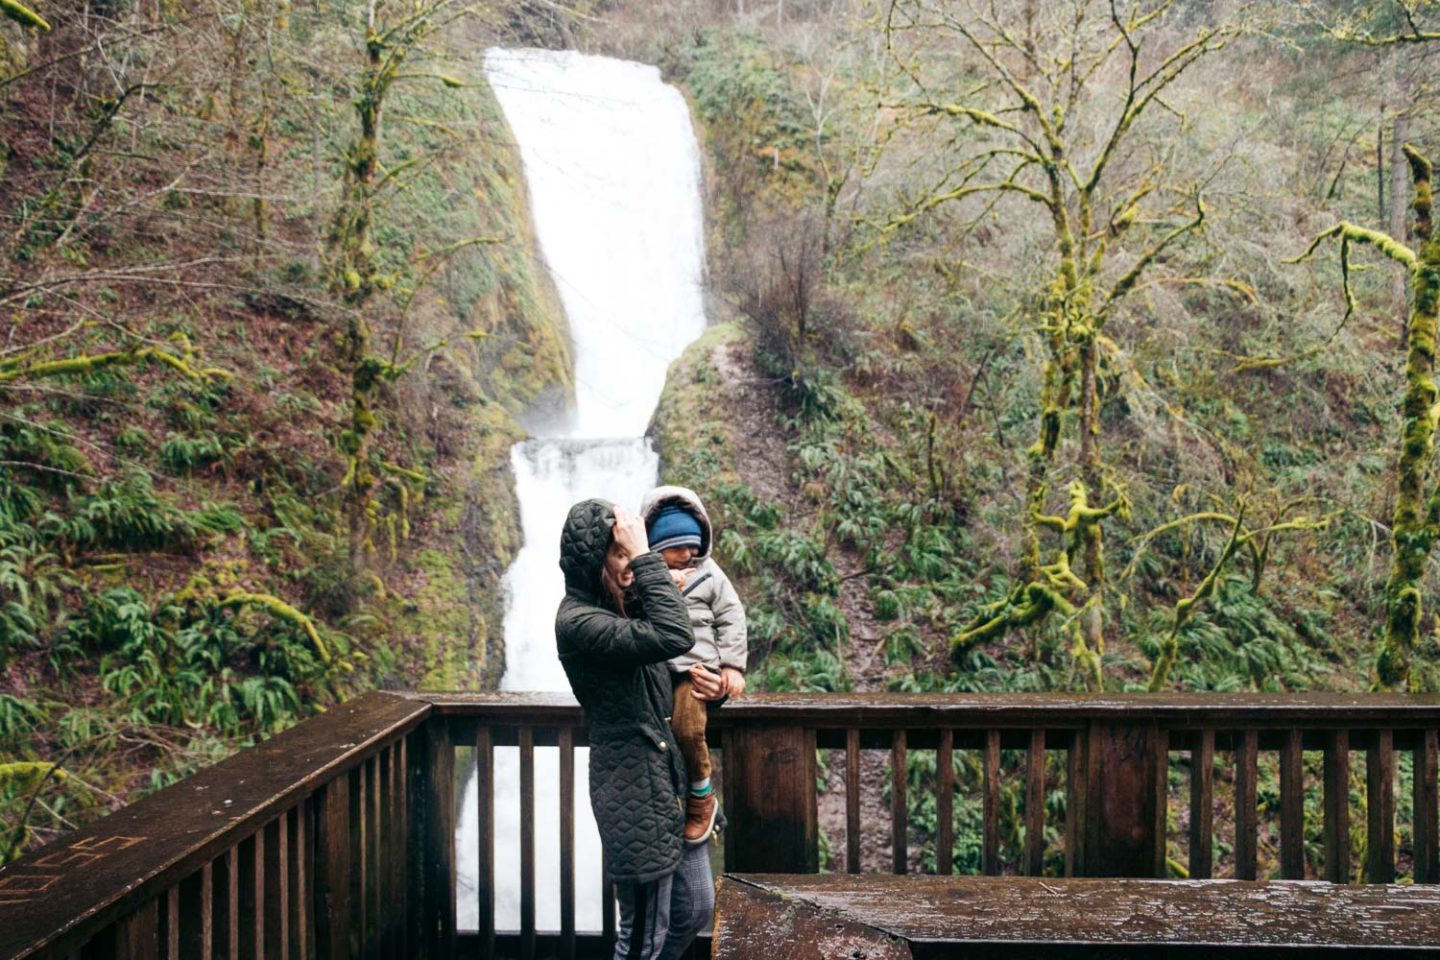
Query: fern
(18, 717)
(123, 514)
(182, 455)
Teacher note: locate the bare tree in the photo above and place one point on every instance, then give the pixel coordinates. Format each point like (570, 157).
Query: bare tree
(1036, 123)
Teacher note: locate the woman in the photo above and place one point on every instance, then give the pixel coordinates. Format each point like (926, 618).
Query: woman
(621, 619)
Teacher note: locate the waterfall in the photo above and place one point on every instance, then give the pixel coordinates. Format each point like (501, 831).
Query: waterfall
(613, 172)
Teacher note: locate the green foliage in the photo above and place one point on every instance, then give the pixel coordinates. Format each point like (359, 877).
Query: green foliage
(182, 455)
(735, 77)
(124, 514)
(1240, 642)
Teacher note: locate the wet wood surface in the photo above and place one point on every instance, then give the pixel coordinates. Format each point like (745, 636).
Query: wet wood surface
(307, 844)
(103, 871)
(1023, 916)
(1202, 807)
(1380, 808)
(1051, 710)
(752, 921)
(1125, 814)
(770, 778)
(1336, 800)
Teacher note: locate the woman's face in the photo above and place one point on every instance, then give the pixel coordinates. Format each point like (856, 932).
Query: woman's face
(617, 566)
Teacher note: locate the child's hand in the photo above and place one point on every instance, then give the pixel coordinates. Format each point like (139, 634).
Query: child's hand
(733, 680)
(679, 577)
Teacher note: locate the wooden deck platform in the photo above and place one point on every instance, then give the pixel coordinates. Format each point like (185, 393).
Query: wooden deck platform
(800, 917)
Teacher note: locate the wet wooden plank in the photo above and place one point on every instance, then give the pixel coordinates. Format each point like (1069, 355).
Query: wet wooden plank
(1202, 806)
(979, 711)
(527, 843)
(1125, 809)
(380, 862)
(1247, 758)
(750, 923)
(438, 842)
(899, 804)
(1337, 806)
(1292, 808)
(296, 837)
(945, 804)
(1035, 804)
(402, 845)
(392, 852)
(770, 776)
(276, 919)
(990, 806)
(252, 896)
(1380, 808)
(852, 801)
(567, 844)
(359, 863)
(1427, 807)
(333, 909)
(1076, 766)
(225, 905)
(416, 791)
(1033, 917)
(373, 879)
(112, 866)
(196, 914)
(485, 855)
(137, 936)
(170, 924)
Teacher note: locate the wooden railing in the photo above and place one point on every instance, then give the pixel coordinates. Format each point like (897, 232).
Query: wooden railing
(294, 848)
(337, 839)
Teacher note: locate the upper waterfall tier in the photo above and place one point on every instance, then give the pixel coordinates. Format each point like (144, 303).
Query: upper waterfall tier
(614, 177)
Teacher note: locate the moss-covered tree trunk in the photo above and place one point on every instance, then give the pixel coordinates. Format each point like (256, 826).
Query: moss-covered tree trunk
(1416, 520)
(353, 277)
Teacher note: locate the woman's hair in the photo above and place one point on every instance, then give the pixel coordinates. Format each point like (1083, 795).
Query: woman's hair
(615, 594)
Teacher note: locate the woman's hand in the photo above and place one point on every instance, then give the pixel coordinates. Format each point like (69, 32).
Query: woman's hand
(707, 685)
(629, 533)
(733, 680)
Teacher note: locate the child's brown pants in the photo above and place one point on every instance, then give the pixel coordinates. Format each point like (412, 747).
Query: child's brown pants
(688, 721)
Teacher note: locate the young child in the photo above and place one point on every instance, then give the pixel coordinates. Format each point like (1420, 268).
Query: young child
(680, 531)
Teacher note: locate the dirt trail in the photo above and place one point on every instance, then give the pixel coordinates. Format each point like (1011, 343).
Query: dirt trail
(749, 402)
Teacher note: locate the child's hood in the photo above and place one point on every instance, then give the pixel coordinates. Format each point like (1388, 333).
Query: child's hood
(661, 497)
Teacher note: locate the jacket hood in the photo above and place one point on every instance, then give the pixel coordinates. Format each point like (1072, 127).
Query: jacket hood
(661, 497)
(584, 540)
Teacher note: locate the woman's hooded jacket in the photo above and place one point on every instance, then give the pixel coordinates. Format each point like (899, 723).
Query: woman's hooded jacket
(616, 667)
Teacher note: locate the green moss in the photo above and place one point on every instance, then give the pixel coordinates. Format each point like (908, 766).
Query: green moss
(697, 448)
(522, 357)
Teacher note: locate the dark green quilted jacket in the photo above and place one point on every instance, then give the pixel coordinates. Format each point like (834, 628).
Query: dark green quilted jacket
(616, 666)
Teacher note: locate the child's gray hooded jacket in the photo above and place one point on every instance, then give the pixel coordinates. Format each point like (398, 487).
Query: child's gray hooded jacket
(716, 613)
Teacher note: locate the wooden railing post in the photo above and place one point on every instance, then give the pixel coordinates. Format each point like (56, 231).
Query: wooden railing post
(1125, 800)
(436, 841)
(769, 776)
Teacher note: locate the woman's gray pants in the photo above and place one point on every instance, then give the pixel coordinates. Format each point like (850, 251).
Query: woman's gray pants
(660, 919)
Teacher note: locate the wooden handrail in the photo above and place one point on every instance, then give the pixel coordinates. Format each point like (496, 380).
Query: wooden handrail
(985, 710)
(63, 894)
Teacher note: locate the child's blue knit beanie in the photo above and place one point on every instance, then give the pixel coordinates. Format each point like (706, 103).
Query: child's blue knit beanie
(674, 527)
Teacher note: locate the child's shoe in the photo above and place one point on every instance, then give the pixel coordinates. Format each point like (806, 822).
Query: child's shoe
(700, 817)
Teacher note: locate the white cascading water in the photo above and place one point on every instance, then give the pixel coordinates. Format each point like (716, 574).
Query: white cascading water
(613, 171)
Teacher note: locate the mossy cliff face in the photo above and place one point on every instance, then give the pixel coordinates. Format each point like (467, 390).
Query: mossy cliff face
(696, 445)
(508, 361)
